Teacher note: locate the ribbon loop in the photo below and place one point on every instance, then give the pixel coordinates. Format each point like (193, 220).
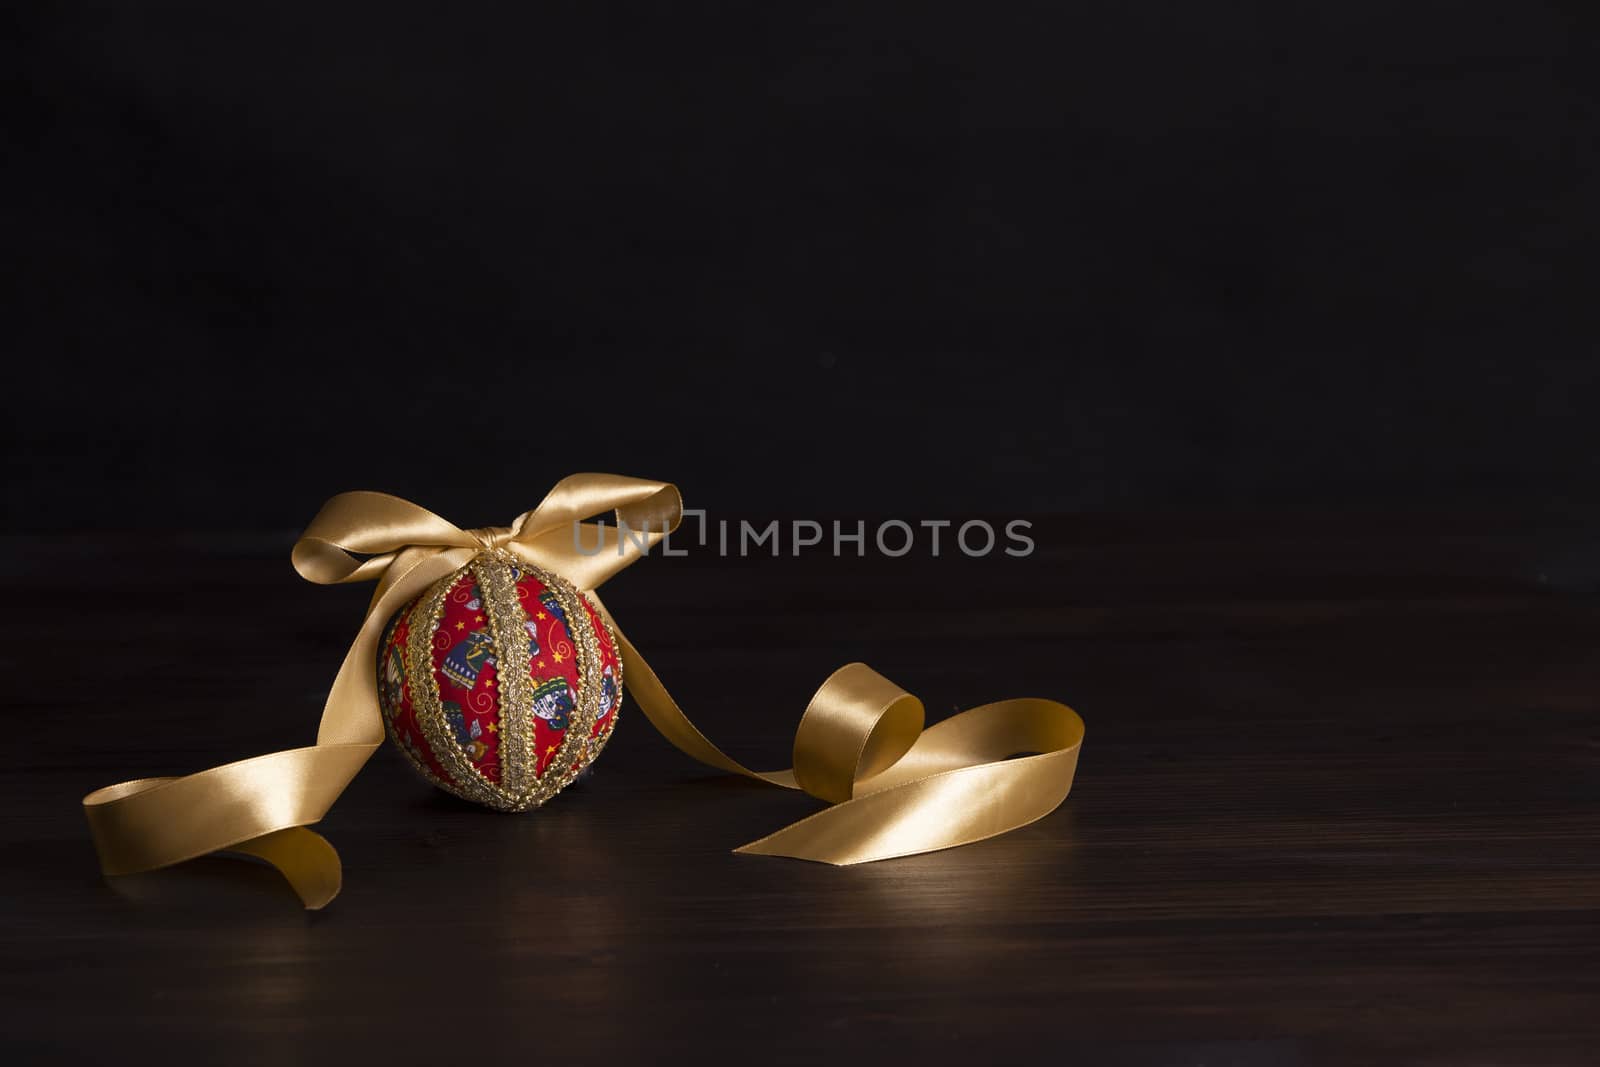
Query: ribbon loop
(858, 724)
(894, 788)
(555, 536)
(636, 502)
(370, 524)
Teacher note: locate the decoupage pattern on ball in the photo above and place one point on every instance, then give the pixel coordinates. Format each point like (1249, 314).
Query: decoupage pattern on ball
(521, 685)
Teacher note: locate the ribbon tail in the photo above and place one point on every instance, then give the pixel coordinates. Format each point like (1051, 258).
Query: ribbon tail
(961, 780)
(954, 808)
(246, 806)
(260, 806)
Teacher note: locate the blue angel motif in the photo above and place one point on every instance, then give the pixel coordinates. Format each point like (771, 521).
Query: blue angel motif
(469, 656)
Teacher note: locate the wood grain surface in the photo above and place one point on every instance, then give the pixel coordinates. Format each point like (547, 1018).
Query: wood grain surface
(1337, 803)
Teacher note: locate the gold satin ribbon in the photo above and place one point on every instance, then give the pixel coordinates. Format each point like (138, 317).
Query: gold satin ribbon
(894, 789)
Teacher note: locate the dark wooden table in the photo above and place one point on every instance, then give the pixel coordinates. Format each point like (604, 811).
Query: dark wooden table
(1337, 803)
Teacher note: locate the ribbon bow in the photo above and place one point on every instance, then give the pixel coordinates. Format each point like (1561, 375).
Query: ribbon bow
(894, 789)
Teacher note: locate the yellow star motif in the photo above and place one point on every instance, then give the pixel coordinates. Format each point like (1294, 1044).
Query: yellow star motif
(558, 657)
(488, 683)
(494, 728)
(461, 626)
(548, 749)
(478, 619)
(541, 664)
(541, 615)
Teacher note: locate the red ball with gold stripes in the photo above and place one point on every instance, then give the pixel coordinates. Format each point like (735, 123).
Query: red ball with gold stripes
(501, 683)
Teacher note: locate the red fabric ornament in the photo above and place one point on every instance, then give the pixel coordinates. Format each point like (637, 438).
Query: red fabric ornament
(501, 683)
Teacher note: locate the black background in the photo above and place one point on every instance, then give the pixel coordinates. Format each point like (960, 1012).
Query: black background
(819, 258)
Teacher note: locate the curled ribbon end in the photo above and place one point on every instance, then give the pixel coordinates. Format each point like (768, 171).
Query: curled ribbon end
(305, 859)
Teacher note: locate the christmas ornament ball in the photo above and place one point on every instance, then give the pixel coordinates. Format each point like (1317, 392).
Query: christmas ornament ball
(501, 683)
